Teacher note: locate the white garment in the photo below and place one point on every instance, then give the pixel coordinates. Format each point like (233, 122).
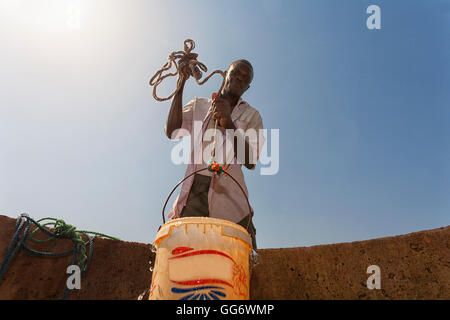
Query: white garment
(225, 198)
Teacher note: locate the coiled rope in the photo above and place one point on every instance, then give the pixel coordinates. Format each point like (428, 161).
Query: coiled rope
(188, 61)
(61, 230)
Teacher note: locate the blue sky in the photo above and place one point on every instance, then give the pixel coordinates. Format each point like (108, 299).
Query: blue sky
(363, 114)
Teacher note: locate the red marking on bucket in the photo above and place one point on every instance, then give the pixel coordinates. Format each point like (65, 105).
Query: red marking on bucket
(202, 281)
(201, 252)
(181, 250)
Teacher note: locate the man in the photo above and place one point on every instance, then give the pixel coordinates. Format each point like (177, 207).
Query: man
(206, 193)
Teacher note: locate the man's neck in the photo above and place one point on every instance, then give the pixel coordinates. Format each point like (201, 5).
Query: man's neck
(233, 100)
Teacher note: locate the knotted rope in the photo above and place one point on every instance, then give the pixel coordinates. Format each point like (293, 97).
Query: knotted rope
(189, 63)
(62, 230)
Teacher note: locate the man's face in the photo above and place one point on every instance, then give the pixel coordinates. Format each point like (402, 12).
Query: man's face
(238, 79)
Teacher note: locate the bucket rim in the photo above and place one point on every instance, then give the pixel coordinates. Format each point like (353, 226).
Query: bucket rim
(166, 229)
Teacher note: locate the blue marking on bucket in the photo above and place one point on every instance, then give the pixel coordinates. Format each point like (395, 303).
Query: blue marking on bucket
(211, 293)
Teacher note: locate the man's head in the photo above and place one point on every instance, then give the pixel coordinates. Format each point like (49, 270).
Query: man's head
(238, 78)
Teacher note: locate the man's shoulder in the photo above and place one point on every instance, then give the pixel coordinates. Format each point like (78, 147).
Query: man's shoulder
(250, 107)
(202, 101)
(252, 111)
(201, 104)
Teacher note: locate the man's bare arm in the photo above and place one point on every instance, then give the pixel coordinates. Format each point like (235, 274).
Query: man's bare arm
(175, 116)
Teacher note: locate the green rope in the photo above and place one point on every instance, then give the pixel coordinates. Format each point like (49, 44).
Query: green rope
(66, 231)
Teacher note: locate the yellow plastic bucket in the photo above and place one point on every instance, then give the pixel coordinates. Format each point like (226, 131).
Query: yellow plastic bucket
(200, 258)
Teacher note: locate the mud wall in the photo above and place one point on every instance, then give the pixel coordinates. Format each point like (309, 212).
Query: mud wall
(413, 266)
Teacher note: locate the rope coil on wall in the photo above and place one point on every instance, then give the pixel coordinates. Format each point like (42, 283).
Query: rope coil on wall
(61, 230)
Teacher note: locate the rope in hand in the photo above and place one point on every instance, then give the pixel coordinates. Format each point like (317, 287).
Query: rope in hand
(61, 230)
(220, 170)
(189, 65)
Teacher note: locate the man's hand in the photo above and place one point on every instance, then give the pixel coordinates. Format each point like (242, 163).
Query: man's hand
(183, 69)
(222, 112)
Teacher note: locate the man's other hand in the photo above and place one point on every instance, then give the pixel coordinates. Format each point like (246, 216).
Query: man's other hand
(222, 112)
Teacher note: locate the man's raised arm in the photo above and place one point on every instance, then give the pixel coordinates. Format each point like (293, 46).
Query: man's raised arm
(175, 116)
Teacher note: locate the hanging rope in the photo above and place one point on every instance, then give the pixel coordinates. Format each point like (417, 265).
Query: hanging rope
(188, 61)
(61, 230)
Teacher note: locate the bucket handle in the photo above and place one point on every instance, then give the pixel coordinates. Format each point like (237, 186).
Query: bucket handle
(185, 178)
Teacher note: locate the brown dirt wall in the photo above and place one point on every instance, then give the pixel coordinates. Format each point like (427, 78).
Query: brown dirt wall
(413, 266)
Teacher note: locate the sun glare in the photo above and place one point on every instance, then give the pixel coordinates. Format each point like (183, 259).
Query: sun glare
(53, 16)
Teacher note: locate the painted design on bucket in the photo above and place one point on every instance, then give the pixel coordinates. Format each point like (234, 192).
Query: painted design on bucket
(153, 286)
(201, 293)
(181, 250)
(240, 281)
(208, 267)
